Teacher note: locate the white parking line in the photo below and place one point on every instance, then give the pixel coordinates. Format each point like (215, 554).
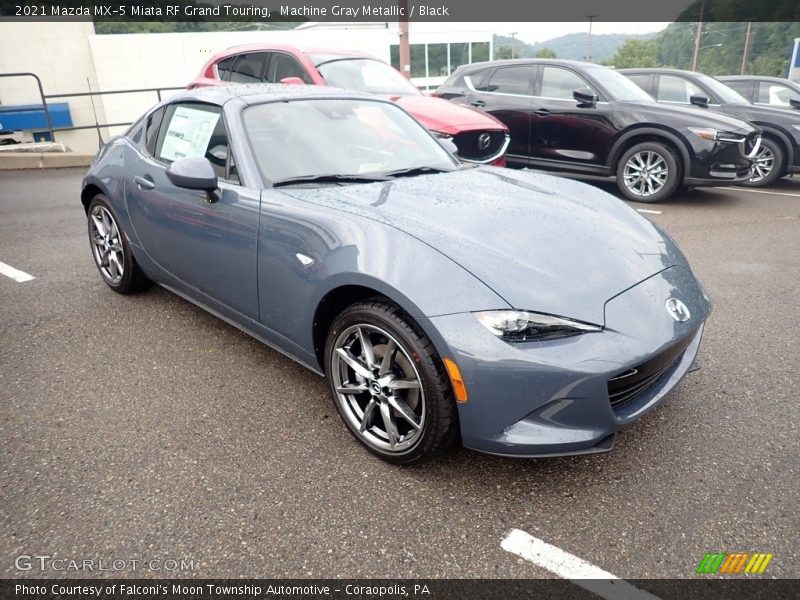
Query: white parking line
(15, 274)
(649, 212)
(569, 566)
(752, 191)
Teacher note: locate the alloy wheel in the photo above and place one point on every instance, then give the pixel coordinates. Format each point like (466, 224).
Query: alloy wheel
(107, 245)
(645, 173)
(763, 164)
(378, 388)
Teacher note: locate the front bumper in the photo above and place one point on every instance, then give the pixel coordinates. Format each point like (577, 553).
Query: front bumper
(552, 398)
(721, 163)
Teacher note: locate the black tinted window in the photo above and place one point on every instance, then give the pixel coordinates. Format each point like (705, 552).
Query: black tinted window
(282, 66)
(745, 88)
(151, 131)
(560, 83)
(248, 68)
(642, 80)
(224, 68)
(509, 80)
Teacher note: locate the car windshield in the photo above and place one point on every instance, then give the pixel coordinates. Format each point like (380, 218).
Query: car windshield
(724, 94)
(331, 138)
(365, 75)
(617, 85)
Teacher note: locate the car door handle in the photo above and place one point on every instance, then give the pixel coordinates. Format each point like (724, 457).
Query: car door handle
(542, 112)
(144, 183)
(478, 103)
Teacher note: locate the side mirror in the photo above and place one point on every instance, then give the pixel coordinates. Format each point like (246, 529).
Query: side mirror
(700, 101)
(585, 98)
(449, 145)
(292, 81)
(193, 174)
(794, 102)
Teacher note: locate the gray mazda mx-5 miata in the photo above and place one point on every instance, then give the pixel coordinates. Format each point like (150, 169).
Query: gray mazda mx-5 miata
(528, 315)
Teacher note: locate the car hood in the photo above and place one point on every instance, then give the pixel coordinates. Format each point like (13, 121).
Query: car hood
(440, 115)
(691, 117)
(542, 243)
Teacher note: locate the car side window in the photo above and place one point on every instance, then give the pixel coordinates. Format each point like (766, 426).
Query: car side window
(151, 131)
(745, 88)
(676, 89)
(509, 80)
(560, 83)
(642, 80)
(776, 94)
(196, 130)
(248, 68)
(282, 66)
(224, 68)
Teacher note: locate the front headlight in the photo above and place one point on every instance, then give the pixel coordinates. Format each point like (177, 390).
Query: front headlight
(524, 326)
(715, 135)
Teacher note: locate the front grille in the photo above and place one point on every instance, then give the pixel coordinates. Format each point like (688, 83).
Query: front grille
(635, 381)
(480, 146)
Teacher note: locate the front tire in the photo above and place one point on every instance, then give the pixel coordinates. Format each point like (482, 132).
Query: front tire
(388, 383)
(648, 172)
(770, 161)
(111, 250)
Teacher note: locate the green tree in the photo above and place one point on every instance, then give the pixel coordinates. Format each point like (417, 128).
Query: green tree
(502, 52)
(636, 53)
(545, 53)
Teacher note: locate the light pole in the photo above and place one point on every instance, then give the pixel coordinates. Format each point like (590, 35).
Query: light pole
(589, 40)
(514, 44)
(697, 37)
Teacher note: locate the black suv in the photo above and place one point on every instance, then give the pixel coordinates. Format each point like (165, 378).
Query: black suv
(779, 154)
(586, 118)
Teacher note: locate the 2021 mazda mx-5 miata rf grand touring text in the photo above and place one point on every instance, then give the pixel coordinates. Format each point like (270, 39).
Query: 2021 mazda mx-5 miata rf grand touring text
(525, 314)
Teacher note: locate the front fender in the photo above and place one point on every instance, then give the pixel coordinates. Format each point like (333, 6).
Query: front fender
(306, 252)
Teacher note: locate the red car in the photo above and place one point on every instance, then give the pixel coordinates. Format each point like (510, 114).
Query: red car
(480, 138)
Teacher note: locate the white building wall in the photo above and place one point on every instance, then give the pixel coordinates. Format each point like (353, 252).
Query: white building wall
(59, 53)
(65, 54)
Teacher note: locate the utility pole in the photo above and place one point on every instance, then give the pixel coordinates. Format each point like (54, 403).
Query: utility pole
(589, 40)
(746, 54)
(405, 47)
(697, 37)
(513, 44)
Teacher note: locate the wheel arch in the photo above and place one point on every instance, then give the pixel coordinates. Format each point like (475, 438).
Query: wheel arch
(770, 131)
(338, 298)
(88, 193)
(649, 134)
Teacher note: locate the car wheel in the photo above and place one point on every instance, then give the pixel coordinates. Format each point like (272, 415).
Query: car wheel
(648, 172)
(768, 164)
(111, 250)
(388, 384)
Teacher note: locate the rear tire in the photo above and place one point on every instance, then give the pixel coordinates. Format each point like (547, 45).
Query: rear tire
(388, 383)
(648, 172)
(112, 251)
(770, 162)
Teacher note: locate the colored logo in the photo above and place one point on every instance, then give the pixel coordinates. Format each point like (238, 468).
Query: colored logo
(734, 563)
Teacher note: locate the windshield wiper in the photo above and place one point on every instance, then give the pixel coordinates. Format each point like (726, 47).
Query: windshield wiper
(413, 171)
(334, 178)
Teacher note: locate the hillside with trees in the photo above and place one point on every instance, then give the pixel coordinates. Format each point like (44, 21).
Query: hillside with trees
(722, 48)
(570, 46)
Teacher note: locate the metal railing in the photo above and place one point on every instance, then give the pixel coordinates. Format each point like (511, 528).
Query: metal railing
(45, 97)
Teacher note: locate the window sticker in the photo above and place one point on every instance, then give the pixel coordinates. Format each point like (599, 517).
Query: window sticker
(188, 134)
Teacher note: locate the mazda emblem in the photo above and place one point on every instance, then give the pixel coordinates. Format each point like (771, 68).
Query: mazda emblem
(677, 310)
(484, 140)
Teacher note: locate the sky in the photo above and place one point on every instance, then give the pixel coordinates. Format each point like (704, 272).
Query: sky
(539, 32)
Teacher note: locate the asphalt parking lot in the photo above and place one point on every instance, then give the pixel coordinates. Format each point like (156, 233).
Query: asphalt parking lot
(142, 427)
